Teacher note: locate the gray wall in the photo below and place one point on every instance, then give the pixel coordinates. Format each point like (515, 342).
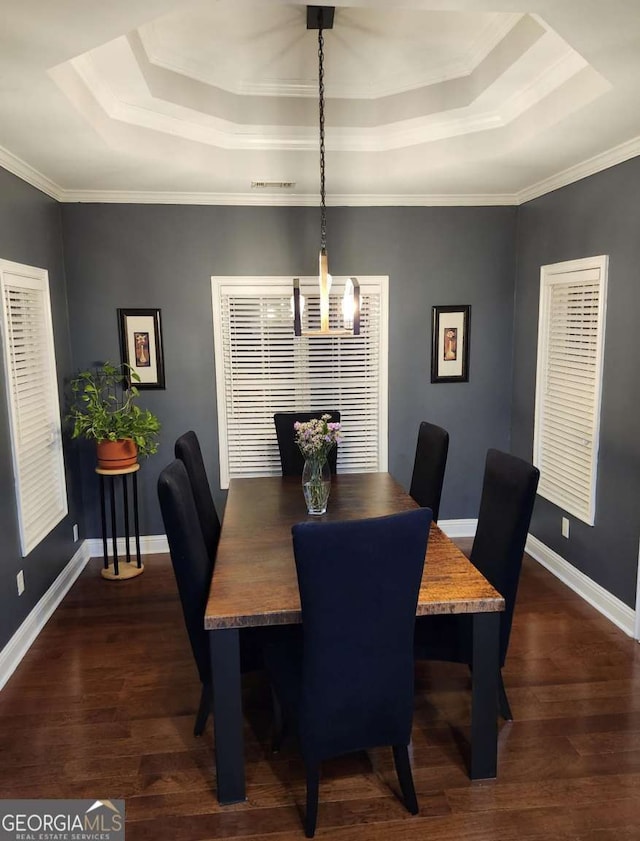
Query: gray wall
(598, 215)
(30, 233)
(164, 256)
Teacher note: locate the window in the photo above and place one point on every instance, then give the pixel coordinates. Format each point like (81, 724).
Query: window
(569, 381)
(32, 395)
(262, 368)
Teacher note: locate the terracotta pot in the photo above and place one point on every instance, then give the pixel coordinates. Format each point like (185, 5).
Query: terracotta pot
(117, 455)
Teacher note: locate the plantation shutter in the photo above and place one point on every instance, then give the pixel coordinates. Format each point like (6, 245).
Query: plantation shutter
(568, 389)
(34, 411)
(262, 368)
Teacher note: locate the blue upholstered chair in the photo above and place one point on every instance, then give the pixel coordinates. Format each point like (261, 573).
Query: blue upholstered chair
(291, 458)
(429, 466)
(508, 495)
(346, 681)
(187, 449)
(193, 564)
(193, 568)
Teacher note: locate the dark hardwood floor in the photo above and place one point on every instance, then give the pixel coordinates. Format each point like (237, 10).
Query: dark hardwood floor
(103, 706)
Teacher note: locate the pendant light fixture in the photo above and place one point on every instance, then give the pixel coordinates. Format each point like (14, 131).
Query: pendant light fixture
(321, 18)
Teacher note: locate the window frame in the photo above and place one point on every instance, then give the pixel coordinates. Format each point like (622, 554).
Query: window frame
(550, 276)
(32, 277)
(283, 286)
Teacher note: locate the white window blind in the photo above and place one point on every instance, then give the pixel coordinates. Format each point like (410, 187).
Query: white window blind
(32, 394)
(569, 381)
(262, 368)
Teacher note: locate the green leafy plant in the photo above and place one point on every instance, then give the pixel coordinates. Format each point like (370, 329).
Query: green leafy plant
(103, 408)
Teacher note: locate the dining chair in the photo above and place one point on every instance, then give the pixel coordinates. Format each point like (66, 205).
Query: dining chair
(506, 504)
(291, 458)
(429, 466)
(193, 566)
(187, 449)
(346, 681)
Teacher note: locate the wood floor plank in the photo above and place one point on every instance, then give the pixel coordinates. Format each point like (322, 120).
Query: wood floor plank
(79, 719)
(608, 742)
(592, 689)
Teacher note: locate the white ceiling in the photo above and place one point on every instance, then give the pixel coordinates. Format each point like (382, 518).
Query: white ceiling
(428, 101)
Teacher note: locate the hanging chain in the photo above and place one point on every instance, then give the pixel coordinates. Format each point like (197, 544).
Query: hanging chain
(323, 207)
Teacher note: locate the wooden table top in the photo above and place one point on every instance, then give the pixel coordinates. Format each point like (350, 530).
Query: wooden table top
(255, 583)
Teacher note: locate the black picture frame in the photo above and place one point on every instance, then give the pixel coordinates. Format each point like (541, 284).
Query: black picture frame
(450, 353)
(141, 345)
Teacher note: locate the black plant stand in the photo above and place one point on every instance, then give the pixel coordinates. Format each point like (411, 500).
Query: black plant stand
(120, 568)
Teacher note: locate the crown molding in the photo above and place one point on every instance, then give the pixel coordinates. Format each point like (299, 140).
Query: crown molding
(550, 79)
(161, 55)
(185, 123)
(271, 200)
(23, 170)
(598, 163)
(491, 36)
(605, 160)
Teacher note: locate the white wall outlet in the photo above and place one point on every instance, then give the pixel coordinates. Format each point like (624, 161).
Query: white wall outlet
(565, 527)
(75, 532)
(20, 582)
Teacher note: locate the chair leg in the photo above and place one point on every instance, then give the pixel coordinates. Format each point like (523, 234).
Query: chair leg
(503, 701)
(278, 723)
(405, 777)
(313, 784)
(203, 710)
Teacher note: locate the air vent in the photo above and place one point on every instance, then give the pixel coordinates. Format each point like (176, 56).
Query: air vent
(277, 185)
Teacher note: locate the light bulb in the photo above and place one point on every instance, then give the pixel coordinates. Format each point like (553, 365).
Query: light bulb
(322, 265)
(324, 280)
(348, 305)
(293, 308)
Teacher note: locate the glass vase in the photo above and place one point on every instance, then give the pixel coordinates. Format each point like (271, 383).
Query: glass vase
(316, 484)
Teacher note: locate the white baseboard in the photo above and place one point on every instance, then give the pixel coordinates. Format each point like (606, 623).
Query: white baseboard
(458, 528)
(608, 605)
(155, 544)
(636, 626)
(150, 544)
(24, 637)
(13, 652)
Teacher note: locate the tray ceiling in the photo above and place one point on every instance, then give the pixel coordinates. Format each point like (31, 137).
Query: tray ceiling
(433, 101)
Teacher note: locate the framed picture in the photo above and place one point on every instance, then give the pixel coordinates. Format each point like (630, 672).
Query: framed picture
(141, 345)
(450, 344)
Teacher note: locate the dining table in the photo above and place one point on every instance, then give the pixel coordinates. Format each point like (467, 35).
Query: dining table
(254, 584)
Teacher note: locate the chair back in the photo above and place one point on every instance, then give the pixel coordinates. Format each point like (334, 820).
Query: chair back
(429, 466)
(291, 458)
(187, 449)
(359, 582)
(192, 564)
(508, 495)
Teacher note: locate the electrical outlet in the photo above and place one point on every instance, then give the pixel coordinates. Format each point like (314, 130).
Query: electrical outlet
(20, 582)
(75, 532)
(565, 527)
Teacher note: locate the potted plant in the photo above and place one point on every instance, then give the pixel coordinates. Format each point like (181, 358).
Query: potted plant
(103, 409)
